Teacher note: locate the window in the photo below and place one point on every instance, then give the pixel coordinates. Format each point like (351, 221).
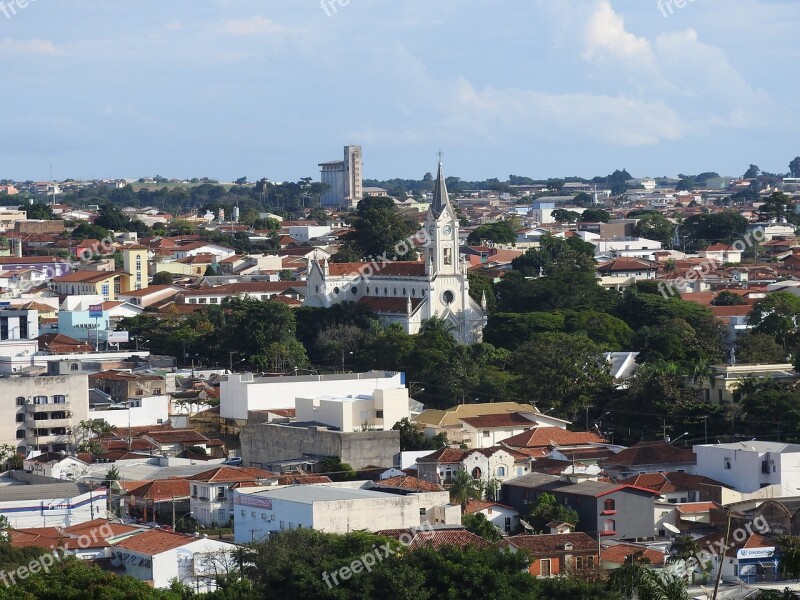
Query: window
(156, 391)
(40, 399)
(221, 491)
(583, 563)
(610, 526)
(140, 392)
(609, 505)
(336, 291)
(507, 525)
(105, 290)
(20, 434)
(448, 297)
(476, 473)
(202, 301)
(194, 491)
(20, 418)
(727, 463)
(448, 256)
(501, 471)
(20, 401)
(59, 399)
(214, 300)
(544, 567)
(378, 414)
(354, 291)
(422, 512)
(486, 433)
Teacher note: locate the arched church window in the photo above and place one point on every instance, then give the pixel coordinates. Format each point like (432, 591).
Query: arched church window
(354, 290)
(413, 293)
(404, 292)
(336, 291)
(385, 291)
(448, 297)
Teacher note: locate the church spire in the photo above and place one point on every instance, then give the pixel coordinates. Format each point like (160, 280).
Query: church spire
(440, 196)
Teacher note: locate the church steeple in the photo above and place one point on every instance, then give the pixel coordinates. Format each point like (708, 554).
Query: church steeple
(440, 196)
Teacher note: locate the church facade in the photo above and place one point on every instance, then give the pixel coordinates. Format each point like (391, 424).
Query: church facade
(410, 292)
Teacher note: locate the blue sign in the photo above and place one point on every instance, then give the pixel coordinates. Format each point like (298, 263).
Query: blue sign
(95, 311)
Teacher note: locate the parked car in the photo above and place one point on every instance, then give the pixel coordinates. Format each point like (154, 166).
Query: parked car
(233, 462)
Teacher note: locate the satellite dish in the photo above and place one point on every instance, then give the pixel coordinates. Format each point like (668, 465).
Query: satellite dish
(525, 525)
(671, 527)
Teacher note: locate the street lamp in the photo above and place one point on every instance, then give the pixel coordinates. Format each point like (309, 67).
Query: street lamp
(679, 437)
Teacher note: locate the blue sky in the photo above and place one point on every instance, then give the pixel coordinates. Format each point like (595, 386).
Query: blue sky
(543, 88)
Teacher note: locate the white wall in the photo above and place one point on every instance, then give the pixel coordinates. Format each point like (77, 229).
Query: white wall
(55, 512)
(153, 411)
(237, 397)
(745, 473)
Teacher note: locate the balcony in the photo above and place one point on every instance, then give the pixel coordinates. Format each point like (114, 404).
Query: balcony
(40, 408)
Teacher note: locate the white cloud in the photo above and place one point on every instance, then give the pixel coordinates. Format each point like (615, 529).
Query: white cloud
(252, 26)
(606, 37)
(27, 46)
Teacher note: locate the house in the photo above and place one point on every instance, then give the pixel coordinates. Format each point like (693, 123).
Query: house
(541, 441)
(614, 556)
(622, 272)
(451, 422)
(435, 537)
(505, 518)
(150, 295)
(721, 254)
(155, 500)
(56, 466)
(557, 554)
(159, 557)
(649, 457)
(212, 492)
(749, 466)
(122, 386)
(722, 385)
(676, 487)
(486, 431)
(175, 442)
(604, 509)
(87, 541)
(486, 464)
(379, 410)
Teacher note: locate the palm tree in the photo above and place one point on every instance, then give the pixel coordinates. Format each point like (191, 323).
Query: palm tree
(492, 488)
(463, 488)
(437, 325)
(637, 582)
(683, 548)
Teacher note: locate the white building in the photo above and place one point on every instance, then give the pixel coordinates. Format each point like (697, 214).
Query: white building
(135, 412)
(241, 393)
(60, 504)
(304, 233)
(57, 466)
(345, 178)
(335, 509)
(625, 247)
(749, 466)
(211, 500)
(160, 556)
(379, 410)
(409, 292)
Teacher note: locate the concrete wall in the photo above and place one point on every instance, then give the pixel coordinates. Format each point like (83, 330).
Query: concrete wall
(266, 442)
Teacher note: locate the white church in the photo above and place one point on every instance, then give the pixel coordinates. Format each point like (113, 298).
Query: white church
(410, 292)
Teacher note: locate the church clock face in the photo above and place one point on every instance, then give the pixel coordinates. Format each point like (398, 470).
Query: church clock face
(447, 230)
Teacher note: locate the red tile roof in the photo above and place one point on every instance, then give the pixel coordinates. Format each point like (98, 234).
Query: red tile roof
(393, 269)
(619, 552)
(162, 489)
(62, 344)
(228, 474)
(548, 437)
(444, 455)
(409, 483)
(474, 506)
(437, 538)
(666, 483)
(627, 264)
(553, 543)
(155, 541)
(652, 453)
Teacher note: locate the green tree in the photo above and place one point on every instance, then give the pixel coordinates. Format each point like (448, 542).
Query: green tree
(683, 548)
(752, 172)
(637, 581)
(655, 226)
(778, 206)
(501, 232)
(480, 287)
(556, 255)
(412, 438)
(39, 212)
(546, 509)
(162, 278)
(726, 298)
(794, 167)
(478, 524)
(561, 215)
(789, 553)
(594, 215)
(758, 348)
(464, 488)
(378, 228)
(777, 315)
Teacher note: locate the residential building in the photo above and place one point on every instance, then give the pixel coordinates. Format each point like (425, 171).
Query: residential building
(486, 464)
(56, 466)
(450, 421)
(153, 501)
(674, 488)
(122, 385)
(159, 557)
(485, 431)
(723, 383)
(721, 254)
(410, 292)
(344, 178)
(255, 290)
(557, 554)
(87, 541)
(625, 247)
(650, 457)
(21, 324)
(615, 555)
(604, 509)
(751, 465)
(505, 518)
(243, 393)
(335, 509)
(212, 492)
(42, 412)
(624, 272)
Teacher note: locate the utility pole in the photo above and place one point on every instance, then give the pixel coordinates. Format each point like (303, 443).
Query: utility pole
(252, 536)
(230, 359)
(722, 557)
(173, 512)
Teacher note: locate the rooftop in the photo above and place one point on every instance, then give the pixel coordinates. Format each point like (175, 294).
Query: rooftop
(304, 494)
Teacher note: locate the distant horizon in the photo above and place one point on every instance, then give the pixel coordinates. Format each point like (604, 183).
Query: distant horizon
(269, 88)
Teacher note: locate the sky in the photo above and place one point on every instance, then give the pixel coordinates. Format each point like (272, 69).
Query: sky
(271, 88)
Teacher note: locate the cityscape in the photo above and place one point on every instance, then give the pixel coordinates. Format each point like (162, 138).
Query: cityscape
(312, 343)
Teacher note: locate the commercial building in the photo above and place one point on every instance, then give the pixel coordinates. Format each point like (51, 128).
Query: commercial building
(752, 465)
(377, 411)
(55, 504)
(334, 509)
